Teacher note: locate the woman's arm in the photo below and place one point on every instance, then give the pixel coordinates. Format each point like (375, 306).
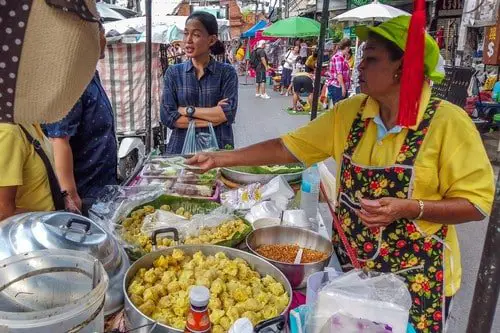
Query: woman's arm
(214, 114)
(267, 152)
(183, 122)
(382, 212)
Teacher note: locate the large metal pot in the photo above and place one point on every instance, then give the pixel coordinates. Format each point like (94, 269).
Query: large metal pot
(297, 274)
(60, 230)
(135, 319)
(52, 291)
(244, 178)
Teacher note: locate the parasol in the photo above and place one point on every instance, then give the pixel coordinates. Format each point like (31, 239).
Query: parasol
(294, 27)
(374, 11)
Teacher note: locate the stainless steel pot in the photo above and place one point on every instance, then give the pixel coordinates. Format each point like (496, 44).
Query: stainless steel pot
(250, 178)
(52, 291)
(297, 274)
(60, 230)
(135, 319)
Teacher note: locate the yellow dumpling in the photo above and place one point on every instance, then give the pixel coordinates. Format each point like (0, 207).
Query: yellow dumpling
(173, 286)
(136, 299)
(214, 303)
(165, 302)
(178, 254)
(147, 307)
(240, 294)
(268, 280)
(269, 312)
(225, 322)
(252, 304)
(218, 329)
(150, 294)
(216, 315)
(217, 286)
(276, 288)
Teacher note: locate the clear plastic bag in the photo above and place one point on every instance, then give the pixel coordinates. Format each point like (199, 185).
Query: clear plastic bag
(344, 323)
(198, 140)
(380, 298)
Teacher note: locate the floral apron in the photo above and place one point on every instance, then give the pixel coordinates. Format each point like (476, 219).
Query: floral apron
(400, 247)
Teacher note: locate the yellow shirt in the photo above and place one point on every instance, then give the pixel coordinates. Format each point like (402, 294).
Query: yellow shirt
(21, 166)
(452, 162)
(311, 62)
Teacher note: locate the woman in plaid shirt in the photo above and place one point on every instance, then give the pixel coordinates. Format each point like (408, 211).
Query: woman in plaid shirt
(201, 89)
(340, 77)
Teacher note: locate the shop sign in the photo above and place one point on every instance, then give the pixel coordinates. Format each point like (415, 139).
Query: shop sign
(449, 8)
(491, 51)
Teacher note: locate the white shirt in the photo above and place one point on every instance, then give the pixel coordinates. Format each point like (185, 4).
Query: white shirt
(290, 60)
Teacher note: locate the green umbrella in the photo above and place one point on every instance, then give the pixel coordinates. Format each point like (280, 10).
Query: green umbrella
(294, 27)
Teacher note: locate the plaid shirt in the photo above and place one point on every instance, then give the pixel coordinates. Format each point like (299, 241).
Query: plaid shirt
(182, 89)
(338, 65)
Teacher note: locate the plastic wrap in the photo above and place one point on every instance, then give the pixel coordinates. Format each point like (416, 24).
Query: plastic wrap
(344, 323)
(380, 298)
(242, 198)
(116, 209)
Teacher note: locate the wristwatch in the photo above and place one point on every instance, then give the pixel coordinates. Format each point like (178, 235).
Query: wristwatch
(190, 110)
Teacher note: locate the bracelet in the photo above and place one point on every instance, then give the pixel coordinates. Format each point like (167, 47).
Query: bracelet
(421, 206)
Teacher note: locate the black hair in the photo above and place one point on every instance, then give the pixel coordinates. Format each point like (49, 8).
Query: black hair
(395, 53)
(344, 43)
(210, 23)
(309, 69)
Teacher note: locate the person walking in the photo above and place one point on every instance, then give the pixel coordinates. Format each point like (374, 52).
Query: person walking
(261, 67)
(84, 145)
(288, 66)
(340, 78)
(201, 89)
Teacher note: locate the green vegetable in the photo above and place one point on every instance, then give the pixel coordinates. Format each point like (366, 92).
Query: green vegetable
(271, 169)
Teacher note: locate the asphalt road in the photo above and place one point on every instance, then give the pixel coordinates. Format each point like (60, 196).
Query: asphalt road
(259, 120)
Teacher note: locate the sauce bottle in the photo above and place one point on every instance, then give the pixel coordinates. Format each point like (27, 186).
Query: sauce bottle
(198, 320)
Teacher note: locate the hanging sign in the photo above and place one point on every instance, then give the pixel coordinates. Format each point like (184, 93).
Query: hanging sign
(449, 8)
(491, 48)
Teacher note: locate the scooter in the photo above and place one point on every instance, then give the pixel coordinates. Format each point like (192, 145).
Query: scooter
(131, 152)
(132, 149)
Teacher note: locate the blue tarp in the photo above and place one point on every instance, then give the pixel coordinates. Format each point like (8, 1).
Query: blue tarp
(253, 30)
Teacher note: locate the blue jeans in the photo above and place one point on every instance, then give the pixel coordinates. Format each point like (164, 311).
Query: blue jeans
(335, 94)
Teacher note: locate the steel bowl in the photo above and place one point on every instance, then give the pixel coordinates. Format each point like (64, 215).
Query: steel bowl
(136, 319)
(296, 274)
(245, 178)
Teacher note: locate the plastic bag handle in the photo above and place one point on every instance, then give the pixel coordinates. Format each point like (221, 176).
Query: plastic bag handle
(279, 321)
(163, 231)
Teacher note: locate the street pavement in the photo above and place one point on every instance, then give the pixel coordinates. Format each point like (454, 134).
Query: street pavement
(258, 119)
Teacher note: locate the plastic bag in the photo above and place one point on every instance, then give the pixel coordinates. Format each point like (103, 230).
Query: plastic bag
(242, 198)
(198, 141)
(344, 323)
(381, 298)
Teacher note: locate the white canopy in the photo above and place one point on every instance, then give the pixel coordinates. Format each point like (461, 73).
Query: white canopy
(374, 11)
(165, 28)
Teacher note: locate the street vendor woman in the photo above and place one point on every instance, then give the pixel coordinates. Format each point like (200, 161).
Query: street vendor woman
(201, 89)
(409, 170)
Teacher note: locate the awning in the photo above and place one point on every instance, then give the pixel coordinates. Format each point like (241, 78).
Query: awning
(253, 30)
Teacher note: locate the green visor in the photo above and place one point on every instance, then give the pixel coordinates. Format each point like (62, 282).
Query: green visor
(396, 30)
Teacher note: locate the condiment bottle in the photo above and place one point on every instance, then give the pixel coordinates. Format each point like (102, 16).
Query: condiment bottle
(198, 320)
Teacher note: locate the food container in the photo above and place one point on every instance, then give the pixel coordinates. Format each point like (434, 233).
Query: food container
(245, 178)
(266, 222)
(136, 319)
(60, 230)
(51, 291)
(296, 274)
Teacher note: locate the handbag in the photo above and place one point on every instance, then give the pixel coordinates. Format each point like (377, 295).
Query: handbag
(55, 189)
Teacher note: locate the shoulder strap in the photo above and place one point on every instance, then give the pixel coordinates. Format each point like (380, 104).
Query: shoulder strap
(55, 189)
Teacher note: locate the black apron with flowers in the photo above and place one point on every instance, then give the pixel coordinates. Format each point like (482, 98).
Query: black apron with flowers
(400, 247)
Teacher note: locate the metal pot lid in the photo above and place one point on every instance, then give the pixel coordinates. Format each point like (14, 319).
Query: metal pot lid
(67, 230)
(58, 230)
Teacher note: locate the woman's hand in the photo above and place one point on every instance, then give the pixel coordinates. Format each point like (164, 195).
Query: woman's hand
(223, 102)
(382, 212)
(203, 161)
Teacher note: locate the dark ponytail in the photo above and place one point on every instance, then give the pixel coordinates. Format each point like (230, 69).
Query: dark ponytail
(218, 48)
(210, 23)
